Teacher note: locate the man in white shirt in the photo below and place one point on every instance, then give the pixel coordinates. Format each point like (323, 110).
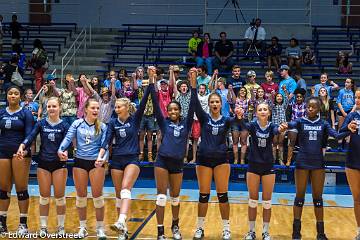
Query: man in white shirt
(255, 34)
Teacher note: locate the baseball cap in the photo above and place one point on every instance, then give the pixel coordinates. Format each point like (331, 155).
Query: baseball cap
(284, 67)
(251, 73)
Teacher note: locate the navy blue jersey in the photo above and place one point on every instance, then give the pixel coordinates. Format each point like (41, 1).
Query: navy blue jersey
(353, 155)
(261, 141)
(126, 141)
(213, 133)
(312, 137)
(51, 135)
(174, 136)
(14, 127)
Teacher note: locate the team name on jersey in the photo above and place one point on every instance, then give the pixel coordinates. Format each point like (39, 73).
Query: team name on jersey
(50, 130)
(126, 125)
(312, 128)
(216, 125)
(262, 135)
(176, 126)
(11, 118)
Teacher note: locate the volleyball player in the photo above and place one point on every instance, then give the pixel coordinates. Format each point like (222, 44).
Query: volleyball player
(169, 163)
(50, 170)
(15, 124)
(90, 136)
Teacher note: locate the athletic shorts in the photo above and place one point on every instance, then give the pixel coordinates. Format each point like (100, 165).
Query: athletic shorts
(210, 162)
(170, 164)
(121, 162)
(51, 166)
(340, 114)
(261, 169)
(87, 165)
(148, 123)
(196, 130)
(8, 154)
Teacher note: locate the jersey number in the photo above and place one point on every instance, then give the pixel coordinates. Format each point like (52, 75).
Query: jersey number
(312, 135)
(261, 142)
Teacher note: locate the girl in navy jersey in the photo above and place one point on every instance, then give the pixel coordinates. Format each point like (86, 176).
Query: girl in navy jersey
(312, 134)
(90, 135)
(353, 160)
(15, 124)
(211, 161)
(124, 164)
(260, 167)
(169, 163)
(50, 168)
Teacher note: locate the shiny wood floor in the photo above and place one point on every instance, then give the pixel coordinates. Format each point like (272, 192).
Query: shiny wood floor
(339, 222)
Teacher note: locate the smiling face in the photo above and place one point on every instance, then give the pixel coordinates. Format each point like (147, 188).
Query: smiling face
(53, 108)
(263, 111)
(215, 104)
(173, 110)
(122, 108)
(13, 96)
(279, 98)
(260, 93)
(323, 79)
(92, 110)
(236, 73)
(242, 92)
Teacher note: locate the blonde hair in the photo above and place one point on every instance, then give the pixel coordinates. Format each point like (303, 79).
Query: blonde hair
(97, 121)
(57, 100)
(269, 73)
(127, 103)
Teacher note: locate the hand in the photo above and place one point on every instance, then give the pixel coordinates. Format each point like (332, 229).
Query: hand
(283, 127)
(283, 87)
(112, 80)
(151, 71)
(99, 162)
(52, 83)
(230, 87)
(21, 152)
(66, 157)
(353, 126)
(239, 112)
(312, 90)
(133, 75)
(63, 155)
(171, 68)
(216, 72)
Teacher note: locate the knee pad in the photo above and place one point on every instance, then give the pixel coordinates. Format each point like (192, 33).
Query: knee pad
(60, 201)
(299, 202)
(253, 203)
(99, 202)
(118, 202)
(175, 201)
(266, 204)
(161, 200)
(318, 203)
(223, 197)
(44, 200)
(23, 195)
(4, 195)
(204, 197)
(81, 202)
(125, 194)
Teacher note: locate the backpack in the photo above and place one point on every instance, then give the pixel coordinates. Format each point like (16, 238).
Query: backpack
(40, 59)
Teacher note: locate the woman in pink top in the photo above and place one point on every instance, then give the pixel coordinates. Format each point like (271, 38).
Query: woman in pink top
(205, 53)
(83, 93)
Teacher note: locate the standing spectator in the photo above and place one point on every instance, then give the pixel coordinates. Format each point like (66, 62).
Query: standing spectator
(294, 54)
(193, 44)
(235, 81)
(269, 86)
(223, 52)
(327, 107)
(15, 28)
(205, 53)
(308, 55)
(288, 81)
(48, 92)
(95, 84)
(255, 34)
(1, 34)
(203, 77)
(29, 104)
(251, 86)
(122, 74)
(8, 71)
(106, 101)
(274, 53)
(300, 82)
(107, 82)
(324, 77)
(127, 91)
(39, 63)
(83, 93)
(68, 99)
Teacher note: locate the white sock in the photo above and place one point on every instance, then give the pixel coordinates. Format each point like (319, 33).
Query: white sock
(43, 221)
(266, 227)
(61, 220)
(226, 224)
(200, 222)
(252, 226)
(83, 223)
(23, 215)
(3, 213)
(122, 218)
(99, 224)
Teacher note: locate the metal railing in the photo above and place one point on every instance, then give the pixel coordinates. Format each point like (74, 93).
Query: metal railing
(80, 41)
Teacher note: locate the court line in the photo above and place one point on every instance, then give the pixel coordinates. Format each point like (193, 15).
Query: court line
(134, 235)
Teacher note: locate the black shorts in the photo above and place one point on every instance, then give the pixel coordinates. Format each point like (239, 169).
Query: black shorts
(172, 165)
(210, 162)
(87, 165)
(261, 169)
(51, 166)
(340, 114)
(8, 154)
(121, 162)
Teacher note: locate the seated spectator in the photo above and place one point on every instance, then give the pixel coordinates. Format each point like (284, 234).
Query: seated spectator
(255, 34)
(193, 44)
(8, 71)
(300, 82)
(324, 77)
(203, 77)
(107, 82)
(205, 53)
(293, 54)
(274, 54)
(39, 62)
(308, 55)
(342, 61)
(235, 81)
(223, 53)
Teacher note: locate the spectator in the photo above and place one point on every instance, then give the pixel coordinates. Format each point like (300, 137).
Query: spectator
(205, 53)
(270, 88)
(342, 61)
(48, 91)
(122, 74)
(95, 85)
(15, 28)
(257, 99)
(274, 54)
(29, 104)
(294, 54)
(8, 71)
(107, 82)
(83, 93)
(288, 81)
(255, 34)
(227, 96)
(106, 101)
(278, 116)
(203, 77)
(68, 99)
(39, 63)
(308, 55)
(127, 91)
(300, 82)
(1, 35)
(251, 89)
(193, 44)
(223, 52)
(139, 75)
(235, 81)
(176, 70)
(324, 77)
(327, 107)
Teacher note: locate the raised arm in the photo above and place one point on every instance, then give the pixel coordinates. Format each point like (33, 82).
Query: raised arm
(213, 81)
(158, 114)
(191, 110)
(87, 88)
(140, 111)
(172, 81)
